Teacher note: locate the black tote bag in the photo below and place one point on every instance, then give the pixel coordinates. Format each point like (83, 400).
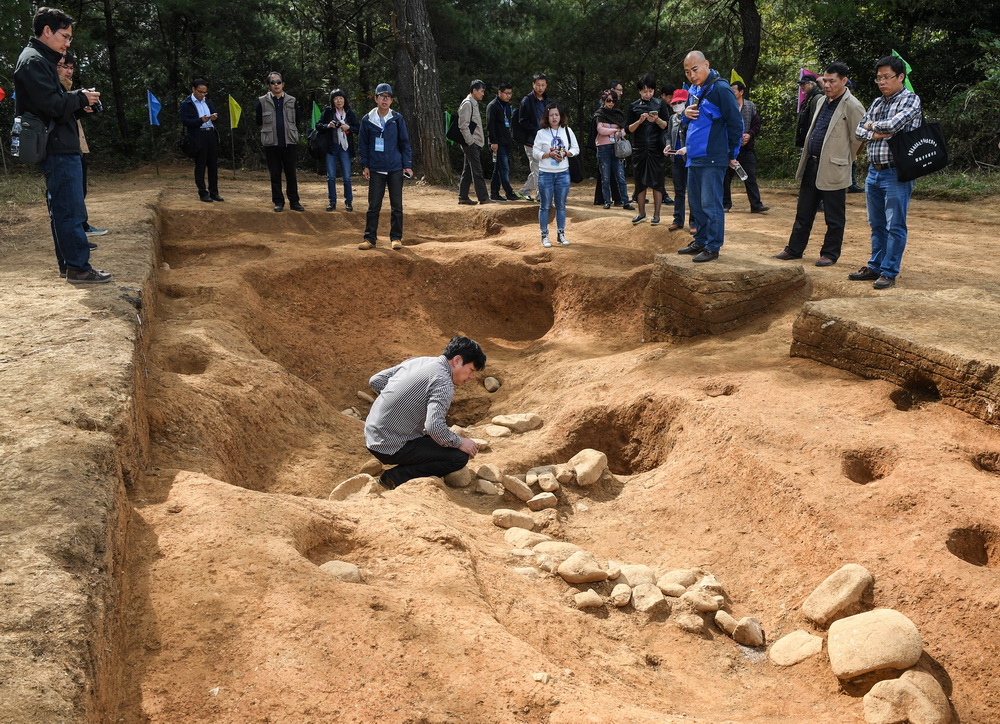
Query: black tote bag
(919, 152)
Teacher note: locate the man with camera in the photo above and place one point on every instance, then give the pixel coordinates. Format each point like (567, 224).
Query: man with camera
(40, 93)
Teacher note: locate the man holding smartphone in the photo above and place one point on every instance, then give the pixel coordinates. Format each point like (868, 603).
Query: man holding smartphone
(386, 157)
(198, 116)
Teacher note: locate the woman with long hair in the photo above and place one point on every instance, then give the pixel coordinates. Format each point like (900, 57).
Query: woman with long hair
(610, 122)
(340, 125)
(555, 144)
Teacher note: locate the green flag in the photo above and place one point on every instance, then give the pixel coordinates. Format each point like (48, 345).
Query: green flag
(316, 114)
(906, 65)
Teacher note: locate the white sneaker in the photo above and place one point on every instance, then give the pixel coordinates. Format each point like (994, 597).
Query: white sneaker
(545, 240)
(561, 238)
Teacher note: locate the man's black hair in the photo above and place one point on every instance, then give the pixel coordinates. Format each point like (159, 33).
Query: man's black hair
(52, 18)
(197, 82)
(667, 90)
(69, 58)
(539, 76)
(614, 84)
(468, 349)
(839, 68)
(894, 63)
(646, 81)
(504, 85)
(739, 84)
(476, 85)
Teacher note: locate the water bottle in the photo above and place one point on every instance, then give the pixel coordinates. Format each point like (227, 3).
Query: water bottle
(15, 137)
(741, 172)
(494, 157)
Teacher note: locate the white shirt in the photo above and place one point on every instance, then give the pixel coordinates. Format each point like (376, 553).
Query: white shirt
(203, 111)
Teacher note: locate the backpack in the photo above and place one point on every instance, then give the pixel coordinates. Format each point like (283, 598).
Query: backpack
(316, 144)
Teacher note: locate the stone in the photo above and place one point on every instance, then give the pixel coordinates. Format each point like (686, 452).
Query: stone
(358, 484)
(487, 488)
(481, 443)
(516, 488)
(556, 550)
(459, 430)
(673, 590)
(547, 482)
(684, 577)
(459, 479)
(880, 341)
(528, 572)
(613, 570)
(725, 622)
(581, 567)
(522, 422)
(490, 472)
(565, 474)
(588, 599)
(343, 571)
(588, 464)
(701, 601)
(636, 575)
(498, 431)
(915, 697)
(685, 300)
(541, 677)
(871, 641)
(492, 384)
(506, 518)
(621, 595)
(646, 597)
(839, 595)
(542, 501)
(690, 622)
(524, 538)
(748, 632)
(795, 647)
(362, 395)
(371, 467)
(712, 585)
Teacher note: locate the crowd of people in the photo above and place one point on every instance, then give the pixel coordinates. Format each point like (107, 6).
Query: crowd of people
(707, 132)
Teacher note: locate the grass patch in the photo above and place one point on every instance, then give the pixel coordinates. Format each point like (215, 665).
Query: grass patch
(944, 185)
(18, 190)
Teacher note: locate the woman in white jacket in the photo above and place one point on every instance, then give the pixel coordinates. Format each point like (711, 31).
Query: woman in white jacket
(555, 144)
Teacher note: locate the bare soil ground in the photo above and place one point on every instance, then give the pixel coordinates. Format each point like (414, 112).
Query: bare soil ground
(256, 329)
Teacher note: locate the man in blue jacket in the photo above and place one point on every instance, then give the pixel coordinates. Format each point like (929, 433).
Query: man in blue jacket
(715, 130)
(386, 156)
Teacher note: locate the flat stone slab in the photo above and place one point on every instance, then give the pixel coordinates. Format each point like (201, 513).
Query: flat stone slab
(939, 343)
(684, 299)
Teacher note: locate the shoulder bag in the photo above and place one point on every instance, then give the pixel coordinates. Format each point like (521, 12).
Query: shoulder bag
(623, 148)
(918, 152)
(32, 135)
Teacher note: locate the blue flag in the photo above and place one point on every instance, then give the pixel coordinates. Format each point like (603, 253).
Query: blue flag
(154, 109)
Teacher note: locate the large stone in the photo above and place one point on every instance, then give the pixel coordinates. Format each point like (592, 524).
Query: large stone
(547, 482)
(492, 384)
(684, 299)
(748, 632)
(588, 599)
(556, 550)
(516, 488)
(357, 485)
(646, 597)
(524, 538)
(581, 567)
(371, 467)
(726, 622)
(879, 639)
(839, 595)
(683, 577)
(915, 697)
(497, 431)
(542, 501)
(690, 622)
(950, 354)
(521, 422)
(487, 488)
(343, 571)
(506, 518)
(635, 575)
(712, 585)
(701, 601)
(795, 647)
(588, 465)
(621, 595)
(366, 396)
(459, 479)
(490, 472)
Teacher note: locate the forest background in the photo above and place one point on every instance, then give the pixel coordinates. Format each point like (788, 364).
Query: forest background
(430, 50)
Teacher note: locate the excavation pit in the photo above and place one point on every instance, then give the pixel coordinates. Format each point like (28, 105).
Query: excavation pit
(978, 545)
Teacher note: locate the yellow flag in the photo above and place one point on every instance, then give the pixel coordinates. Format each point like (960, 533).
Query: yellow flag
(234, 112)
(734, 76)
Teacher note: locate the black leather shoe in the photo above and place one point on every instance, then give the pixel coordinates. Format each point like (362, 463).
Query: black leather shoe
(864, 274)
(760, 209)
(825, 261)
(628, 207)
(607, 206)
(347, 206)
(297, 207)
(692, 248)
(884, 282)
(92, 245)
(705, 255)
(279, 207)
(785, 256)
(331, 207)
(467, 202)
(206, 198)
(216, 197)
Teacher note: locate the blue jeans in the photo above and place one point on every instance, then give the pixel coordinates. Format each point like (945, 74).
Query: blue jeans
(679, 174)
(67, 210)
(705, 196)
(339, 156)
(888, 200)
(501, 173)
(552, 185)
(611, 165)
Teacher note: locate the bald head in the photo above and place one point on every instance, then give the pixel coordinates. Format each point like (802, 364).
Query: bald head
(696, 67)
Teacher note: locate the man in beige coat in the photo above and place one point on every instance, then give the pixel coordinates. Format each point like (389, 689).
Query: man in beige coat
(470, 123)
(825, 167)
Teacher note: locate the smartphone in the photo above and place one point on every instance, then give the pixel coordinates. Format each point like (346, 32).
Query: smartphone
(407, 175)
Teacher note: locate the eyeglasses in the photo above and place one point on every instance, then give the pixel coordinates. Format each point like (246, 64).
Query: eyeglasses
(66, 36)
(886, 78)
(275, 82)
(384, 95)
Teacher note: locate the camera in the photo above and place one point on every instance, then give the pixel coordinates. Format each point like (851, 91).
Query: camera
(97, 107)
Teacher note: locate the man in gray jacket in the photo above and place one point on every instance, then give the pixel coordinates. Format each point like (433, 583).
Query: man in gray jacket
(277, 114)
(470, 123)
(825, 167)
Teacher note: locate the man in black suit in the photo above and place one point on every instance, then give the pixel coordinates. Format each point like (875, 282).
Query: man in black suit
(198, 116)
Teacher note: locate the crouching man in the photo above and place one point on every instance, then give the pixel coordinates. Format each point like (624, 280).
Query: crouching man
(406, 426)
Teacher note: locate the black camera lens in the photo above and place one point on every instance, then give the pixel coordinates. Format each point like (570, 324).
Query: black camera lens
(97, 107)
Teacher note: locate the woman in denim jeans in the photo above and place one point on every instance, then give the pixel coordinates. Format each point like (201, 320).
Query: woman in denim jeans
(610, 128)
(555, 144)
(340, 126)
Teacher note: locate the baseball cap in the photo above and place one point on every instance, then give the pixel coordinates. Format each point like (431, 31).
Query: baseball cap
(680, 96)
(383, 88)
(807, 77)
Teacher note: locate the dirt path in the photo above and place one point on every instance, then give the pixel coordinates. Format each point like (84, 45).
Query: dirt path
(264, 326)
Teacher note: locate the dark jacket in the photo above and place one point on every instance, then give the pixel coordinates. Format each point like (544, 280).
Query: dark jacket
(496, 128)
(751, 123)
(529, 116)
(398, 153)
(38, 90)
(330, 134)
(192, 121)
(806, 115)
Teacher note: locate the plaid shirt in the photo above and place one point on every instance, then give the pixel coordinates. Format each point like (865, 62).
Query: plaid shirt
(900, 112)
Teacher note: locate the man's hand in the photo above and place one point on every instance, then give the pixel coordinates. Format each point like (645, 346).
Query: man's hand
(876, 136)
(746, 139)
(367, 174)
(494, 147)
(92, 97)
(733, 162)
(469, 447)
(691, 112)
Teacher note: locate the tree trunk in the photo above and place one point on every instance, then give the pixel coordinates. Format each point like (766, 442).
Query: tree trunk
(116, 81)
(405, 102)
(746, 66)
(413, 33)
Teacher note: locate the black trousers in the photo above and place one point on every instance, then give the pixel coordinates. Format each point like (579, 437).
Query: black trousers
(207, 159)
(282, 158)
(834, 209)
(472, 173)
(377, 185)
(748, 160)
(421, 458)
